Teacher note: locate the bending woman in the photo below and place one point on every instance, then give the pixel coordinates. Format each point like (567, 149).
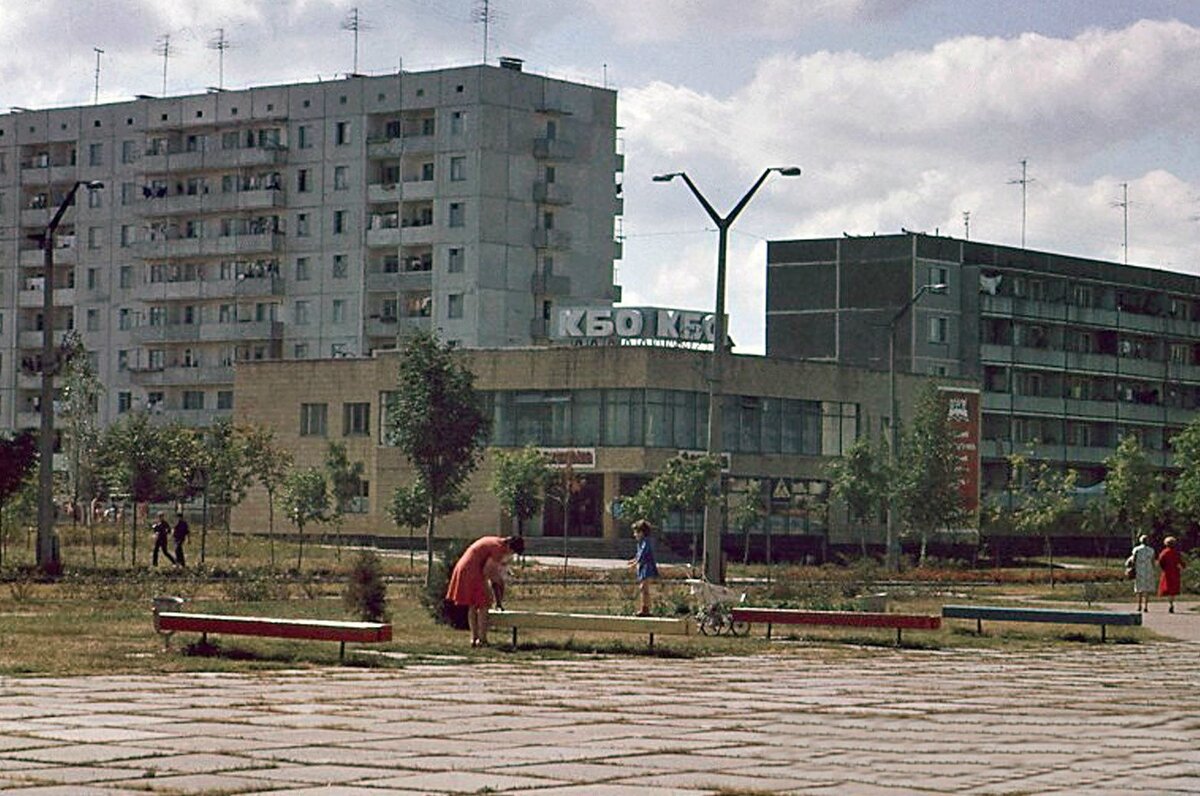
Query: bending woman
(475, 577)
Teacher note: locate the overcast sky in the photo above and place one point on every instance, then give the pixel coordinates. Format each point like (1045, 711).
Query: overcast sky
(902, 113)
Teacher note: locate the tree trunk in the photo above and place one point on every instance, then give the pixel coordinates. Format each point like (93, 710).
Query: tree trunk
(271, 524)
(133, 524)
(924, 545)
(300, 554)
(429, 544)
(2, 535)
(204, 526)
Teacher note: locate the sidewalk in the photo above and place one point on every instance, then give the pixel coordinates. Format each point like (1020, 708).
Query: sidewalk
(1084, 718)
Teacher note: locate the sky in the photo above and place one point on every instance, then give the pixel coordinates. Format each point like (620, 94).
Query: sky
(902, 114)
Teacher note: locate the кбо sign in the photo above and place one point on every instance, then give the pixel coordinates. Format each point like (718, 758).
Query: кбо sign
(587, 324)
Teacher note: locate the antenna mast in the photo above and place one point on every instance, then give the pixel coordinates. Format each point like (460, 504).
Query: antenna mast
(164, 49)
(966, 216)
(354, 23)
(483, 15)
(1124, 205)
(96, 95)
(220, 44)
(1024, 183)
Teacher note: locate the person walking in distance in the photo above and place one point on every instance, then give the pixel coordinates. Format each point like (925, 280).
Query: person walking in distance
(645, 564)
(1171, 563)
(161, 530)
(1141, 561)
(180, 535)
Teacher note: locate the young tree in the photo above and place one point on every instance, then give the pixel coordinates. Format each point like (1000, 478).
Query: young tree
(306, 500)
(345, 481)
(519, 483)
(77, 406)
(1044, 495)
(860, 480)
(437, 420)
(270, 464)
(683, 485)
(1131, 485)
(228, 473)
(746, 512)
(926, 482)
(410, 508)
(136, 455)
(18, 456)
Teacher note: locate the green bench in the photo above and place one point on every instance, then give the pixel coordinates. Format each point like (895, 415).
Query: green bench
(1004, 613)
(597, 623)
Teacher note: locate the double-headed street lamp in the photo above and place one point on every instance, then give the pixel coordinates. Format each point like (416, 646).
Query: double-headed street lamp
(712, 514)
(47, 547)
(892, 557)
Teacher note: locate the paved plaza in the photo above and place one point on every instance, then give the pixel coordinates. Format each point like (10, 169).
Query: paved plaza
(1080, 718)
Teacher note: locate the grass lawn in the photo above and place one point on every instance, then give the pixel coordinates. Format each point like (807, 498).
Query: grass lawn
(97, 619)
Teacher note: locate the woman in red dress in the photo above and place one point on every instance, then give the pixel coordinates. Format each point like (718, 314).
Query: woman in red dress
(1170, 562)
(475, 578)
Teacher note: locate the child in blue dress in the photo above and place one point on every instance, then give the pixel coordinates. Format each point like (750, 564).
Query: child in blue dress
(647, 567)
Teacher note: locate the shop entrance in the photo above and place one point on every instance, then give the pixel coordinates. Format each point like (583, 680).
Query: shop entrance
(585, 505)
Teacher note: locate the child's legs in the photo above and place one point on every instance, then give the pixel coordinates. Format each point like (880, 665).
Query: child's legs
(644, 590)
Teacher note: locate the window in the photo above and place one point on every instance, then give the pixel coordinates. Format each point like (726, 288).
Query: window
(93, 320)
(939, 275)
(93, 279)
(340, 178)
(551, 174)
(300, 313)
(302, 273)
(339, 222)
(126, 235)
(339, 266)
(551, 129)
(338, 311)
(302, 181)
(456, 214)
(312, 419)
(548, 219)
(95, 154)
(226, 314)
(128, 151)
(356, 419)
(454, 305)
(300, 351)
(426, 172)
(303, 136)
(124, 318)
(95, 237)
(124, 402)
(938, 329)
(456, 122)
(193, 399)
(458, 169)
(341, 133)
(302, 225)
(122, 359)
(95, 199)
(128, 192)
(224, 399)
(454, 260)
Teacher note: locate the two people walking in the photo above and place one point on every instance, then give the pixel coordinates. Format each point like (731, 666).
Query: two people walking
(179, 534)
(1143, 560)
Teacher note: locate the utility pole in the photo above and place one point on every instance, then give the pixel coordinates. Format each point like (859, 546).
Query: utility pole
(1124, 205)
(96, 95)
(1024, 183)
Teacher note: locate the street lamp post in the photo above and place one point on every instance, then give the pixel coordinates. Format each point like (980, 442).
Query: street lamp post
(892, 552)
(47, 544)
(712, 513)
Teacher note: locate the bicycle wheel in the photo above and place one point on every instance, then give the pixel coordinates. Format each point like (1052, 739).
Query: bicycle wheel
(711, 624)
(739, 628)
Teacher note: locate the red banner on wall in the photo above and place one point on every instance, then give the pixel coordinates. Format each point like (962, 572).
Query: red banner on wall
(963, 417)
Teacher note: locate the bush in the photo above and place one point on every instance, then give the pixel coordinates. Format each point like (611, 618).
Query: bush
(433, 596)
(366, 593)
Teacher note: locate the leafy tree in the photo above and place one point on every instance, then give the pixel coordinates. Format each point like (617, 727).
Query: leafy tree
(410, 508)
(519, 483)
(77, 406)
(1043, 496)
(228, 473)
(1131, 485)
(136, 457)
(18, 456)
(926, 482)
(860, 480)
(306, 500)
(1185, 498)
(345, 481)
(747, 511)
(270, 465)
(436, 418)
(683, 485)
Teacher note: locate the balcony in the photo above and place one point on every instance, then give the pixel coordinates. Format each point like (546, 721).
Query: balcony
(175, 162)
(618, 249)
(553, 149)
(168, 247)
(248, 243)
(190, 417)
(380, 282)
(63, 255)
(551, 285)
(193, 204)
(32, 338)
(539, 327)
(384, 236)
(551, 239)
(166, 333)
(395, 147)
(417, 190)
(618, 162)
(182, 376)
(169, 291)
(46, 175)
(618, 205)
(382, 327)
(383, 192)
(34, 299)
(551, 193)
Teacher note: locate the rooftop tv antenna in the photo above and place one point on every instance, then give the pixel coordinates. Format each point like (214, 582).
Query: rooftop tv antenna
(220, 44)
(96, 94)
(484, 14)
(355, 23)
(163, 48)
(1024, 183)
(1124, 205)
(966, 216)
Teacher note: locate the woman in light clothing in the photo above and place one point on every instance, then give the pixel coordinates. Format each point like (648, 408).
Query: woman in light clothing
(1144, 581)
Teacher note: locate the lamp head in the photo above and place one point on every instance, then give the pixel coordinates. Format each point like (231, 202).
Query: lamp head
(665, 177)
(93, 185)
(939, 288)
(787, 171)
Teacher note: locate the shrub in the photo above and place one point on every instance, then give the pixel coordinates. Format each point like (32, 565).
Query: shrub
(366, 593)
(434, 595)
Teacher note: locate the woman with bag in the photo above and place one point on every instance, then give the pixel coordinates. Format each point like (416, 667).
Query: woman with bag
(1170, 562)
(1140, 567)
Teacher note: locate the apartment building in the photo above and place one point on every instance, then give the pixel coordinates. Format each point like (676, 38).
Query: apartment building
(300, 221)
(1070, 354)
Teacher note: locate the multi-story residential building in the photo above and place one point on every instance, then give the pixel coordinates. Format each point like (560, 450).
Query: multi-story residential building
(301, 221)
(1070, 354)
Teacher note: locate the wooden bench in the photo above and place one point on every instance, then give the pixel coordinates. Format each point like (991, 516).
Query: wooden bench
(1004, 613)
(788, 616)
(599, 623)
(168, 622)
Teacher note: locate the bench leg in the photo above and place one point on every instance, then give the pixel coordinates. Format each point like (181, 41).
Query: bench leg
(514, 638)
(898, 639)
(651, 641)
(768, 631)
(978, 626)
(1103, 635)
(342, 651)
(204, 639)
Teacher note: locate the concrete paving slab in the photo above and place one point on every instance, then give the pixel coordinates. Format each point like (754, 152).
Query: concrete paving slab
(199, 784)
